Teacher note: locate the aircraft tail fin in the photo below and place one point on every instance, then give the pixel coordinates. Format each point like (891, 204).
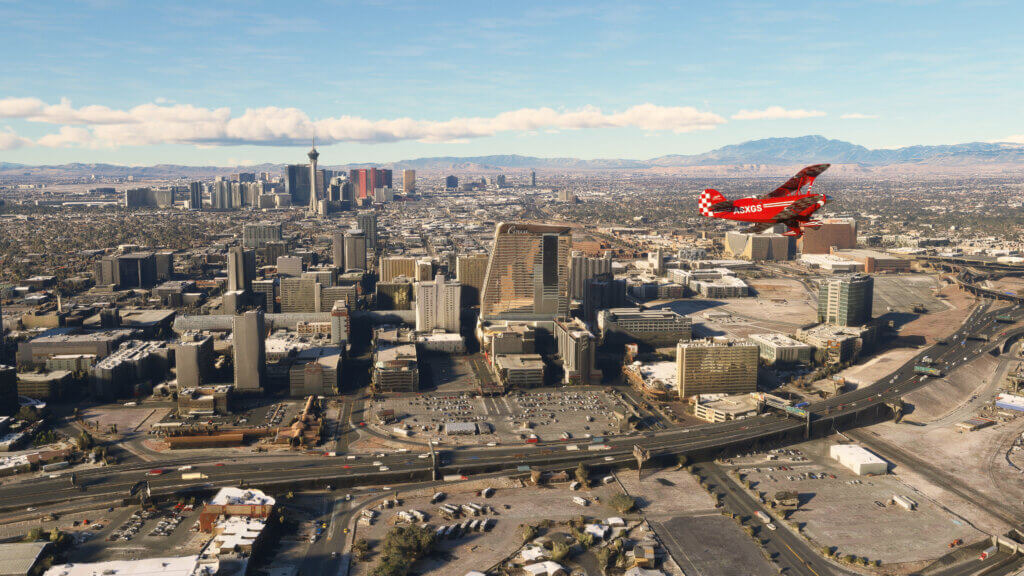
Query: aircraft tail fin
(709, 200)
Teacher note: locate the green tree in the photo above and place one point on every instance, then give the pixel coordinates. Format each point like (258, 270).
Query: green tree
(360, 550)
(527, 532)
(559, 551)
(624, 503)
(581, 473)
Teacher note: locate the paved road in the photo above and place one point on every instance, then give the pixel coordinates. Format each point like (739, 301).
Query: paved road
(792, 552)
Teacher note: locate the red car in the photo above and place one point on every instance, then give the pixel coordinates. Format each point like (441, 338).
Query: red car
(155, 472)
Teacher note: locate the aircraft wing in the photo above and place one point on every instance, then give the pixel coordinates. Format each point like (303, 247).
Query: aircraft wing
(794, 209)
(758, 228)
(803, 178)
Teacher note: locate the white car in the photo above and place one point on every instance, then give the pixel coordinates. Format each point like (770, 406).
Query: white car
(770, 526)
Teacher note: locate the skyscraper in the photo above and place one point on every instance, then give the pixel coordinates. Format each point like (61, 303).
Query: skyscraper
(257, 235)
(583, 268)
(314, 194)
(470, 270)
(296, 183)
(451, 182)
(355, 250)
(195, 196)
(528, 273)
(716, 367)
(393, 266)
(300, 295)
(241, 269)
(846, 301)
(366, 180)
(367, 222)
(437, 305)
(250, 352)
(408, 181)
(533, 178)
(338, 249)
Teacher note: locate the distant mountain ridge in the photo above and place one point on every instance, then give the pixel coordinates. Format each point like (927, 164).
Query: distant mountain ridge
(764, 153)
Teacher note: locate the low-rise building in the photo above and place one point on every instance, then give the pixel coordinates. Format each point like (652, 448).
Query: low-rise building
(519, 370)
(781, 349)
(662, 327)
(726, 408)
(858, 459)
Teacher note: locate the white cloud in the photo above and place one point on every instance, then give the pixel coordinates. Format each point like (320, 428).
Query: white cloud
(11, 141)
(20, 107)
(68, 136)
(776, 113)
(858, 116)
(184, 124)
(1015, 139)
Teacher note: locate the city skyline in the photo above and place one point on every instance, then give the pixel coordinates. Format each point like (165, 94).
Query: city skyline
(156, 86)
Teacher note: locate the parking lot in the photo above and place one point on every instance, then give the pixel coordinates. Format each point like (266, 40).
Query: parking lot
(872, 525)
(248, 413)
(549, 414)
(126, 533)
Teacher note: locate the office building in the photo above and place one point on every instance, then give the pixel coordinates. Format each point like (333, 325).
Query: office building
(654, 328)
(716, 367)
(451, 182)
(583, 268)
(528, 273)
(367, 222)
(338, 249)
(470, 270)
(424, 270)
(577, 347)
(846, 301)
(395, 368)
(248, 334)
(315, 371)
(438, 304)
(8, 390)
(205, 400)
(130, 369)
(195, 196)
(193, 360)
(355, 250)
(601, 292)
(241, 269)
(289, 265)
(264, 294)
(257, 235)
(296, 183)
(135, 270)
(781, 349)
(519, 370)
(566, 196)
(533, 178)
(349, 294)
(408, 181)
(341, 326)
(300, 295)
(837, 344)
(392, 267)
(838, 233)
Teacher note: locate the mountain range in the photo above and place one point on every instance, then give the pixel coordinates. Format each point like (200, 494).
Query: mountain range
(753, 157)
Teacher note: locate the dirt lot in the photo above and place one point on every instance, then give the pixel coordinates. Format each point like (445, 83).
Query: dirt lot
(512, 506)
(942, 319)
(871, 525)
(692, 529)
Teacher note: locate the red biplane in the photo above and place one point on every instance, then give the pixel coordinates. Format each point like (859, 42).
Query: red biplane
(788, 204)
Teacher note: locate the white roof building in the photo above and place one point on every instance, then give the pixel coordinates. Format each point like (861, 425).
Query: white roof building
(230, 496)
(180, 566)
(858, 459)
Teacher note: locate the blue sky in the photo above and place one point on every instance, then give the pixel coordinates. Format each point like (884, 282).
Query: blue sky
(382, 80)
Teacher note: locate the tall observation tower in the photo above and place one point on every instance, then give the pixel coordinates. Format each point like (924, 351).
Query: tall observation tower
(314, 192)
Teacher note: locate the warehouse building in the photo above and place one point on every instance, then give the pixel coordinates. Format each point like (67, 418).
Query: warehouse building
(858, 459)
